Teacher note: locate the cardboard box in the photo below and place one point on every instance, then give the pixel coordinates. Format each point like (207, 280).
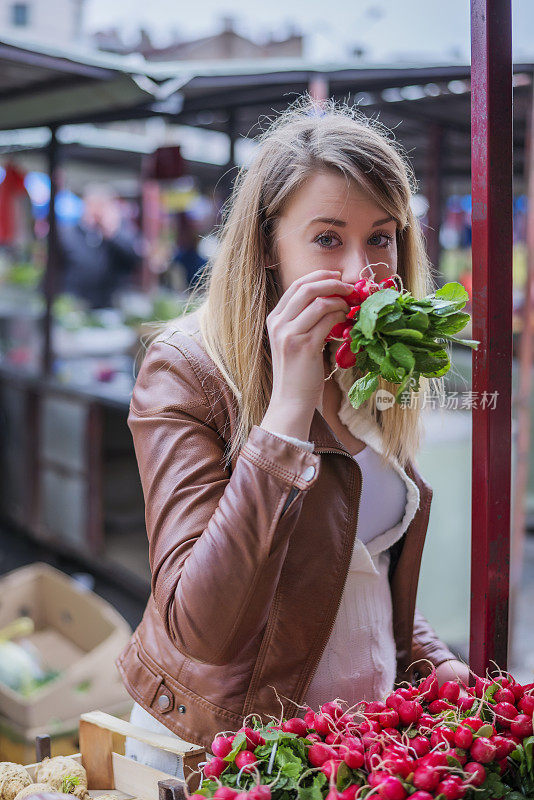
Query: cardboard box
(78, 634)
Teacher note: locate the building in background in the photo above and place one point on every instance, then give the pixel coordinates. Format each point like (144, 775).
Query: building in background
(225, 44)
(59, 22)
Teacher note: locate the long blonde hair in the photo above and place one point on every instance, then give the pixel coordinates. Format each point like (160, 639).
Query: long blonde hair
(236, 292)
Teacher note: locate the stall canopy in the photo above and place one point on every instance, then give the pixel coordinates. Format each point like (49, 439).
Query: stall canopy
(52, 87)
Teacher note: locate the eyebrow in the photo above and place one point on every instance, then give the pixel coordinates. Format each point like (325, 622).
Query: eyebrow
(342, 224)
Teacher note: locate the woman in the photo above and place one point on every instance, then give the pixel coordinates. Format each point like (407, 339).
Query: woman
(286, 528)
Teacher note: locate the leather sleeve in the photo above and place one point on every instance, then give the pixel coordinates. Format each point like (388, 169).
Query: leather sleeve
(217, 541)
(426, 644)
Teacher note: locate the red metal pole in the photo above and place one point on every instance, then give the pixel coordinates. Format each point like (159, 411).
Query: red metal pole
(491, 179)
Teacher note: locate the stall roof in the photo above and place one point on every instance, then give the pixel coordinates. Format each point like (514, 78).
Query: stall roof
(52, 86)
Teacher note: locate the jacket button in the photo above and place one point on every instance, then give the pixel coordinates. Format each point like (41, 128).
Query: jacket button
(164, 702)
(308, 473)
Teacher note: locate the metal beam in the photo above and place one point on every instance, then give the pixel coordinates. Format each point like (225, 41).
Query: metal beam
(491, 125)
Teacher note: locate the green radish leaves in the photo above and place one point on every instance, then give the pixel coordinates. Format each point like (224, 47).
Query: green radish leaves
(401, 338)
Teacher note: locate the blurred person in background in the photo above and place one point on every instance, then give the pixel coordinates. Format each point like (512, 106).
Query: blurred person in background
(186, 260)
(100, 253)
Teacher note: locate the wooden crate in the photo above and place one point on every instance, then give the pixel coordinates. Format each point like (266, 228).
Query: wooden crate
(102, 738)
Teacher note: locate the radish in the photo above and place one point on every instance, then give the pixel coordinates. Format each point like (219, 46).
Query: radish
(450, 691)
(225, 793)
(483, 750)
(260, 792)
(399, 765)
(330, 768)
(314, 737)
(349, 793)
(375, 706)
(504, 696)
(354, 759)
(333, 738)
(504, 746)
(309, 716)
(245, 760)
(295, 725)
(389, 718)
(320, 722)
(216, 766)
(376, 778)
(521, 726)
(333, 710)
(333, 794)
(429, 688)
(427, 721)
(474, 722)
(388, 283)
(221, 746)
(437, 706)
(518, 690)
(419, 795)
(318, 754)
(253, 738)
(337, 331)
(505, 713)
(345, 358)
(452, 788)
(463, 737)
(426, 777)
(409, 711)
(392, 789)
(392, 733)
(476, 773)
(421, 745)
(526, 704)
(465, 703)
(353, 743)
(353, 312)
(441, 735)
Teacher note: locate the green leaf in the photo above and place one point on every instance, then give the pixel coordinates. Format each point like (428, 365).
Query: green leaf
(443, 308)
(528, 745)
(432, 365)
(289, 764)
(452, 291)
(391, 372)
(451, 324)
(371, 308)
(418, 321)
(237, 745)
(376, 351)
(391, 316)
(407, 334)
(363, 388)
(398, 397)
(402, 355)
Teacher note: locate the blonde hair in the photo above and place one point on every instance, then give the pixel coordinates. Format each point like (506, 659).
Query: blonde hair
(236, 292)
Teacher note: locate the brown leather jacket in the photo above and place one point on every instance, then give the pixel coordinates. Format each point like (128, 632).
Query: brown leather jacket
(248, 564)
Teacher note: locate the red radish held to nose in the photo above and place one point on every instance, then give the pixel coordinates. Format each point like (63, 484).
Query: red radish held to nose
(215, 767)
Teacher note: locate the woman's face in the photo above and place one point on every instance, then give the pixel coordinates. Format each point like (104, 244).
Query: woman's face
(330, 223)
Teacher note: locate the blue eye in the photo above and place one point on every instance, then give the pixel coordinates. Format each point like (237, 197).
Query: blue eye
(385, 236)
(329, 237)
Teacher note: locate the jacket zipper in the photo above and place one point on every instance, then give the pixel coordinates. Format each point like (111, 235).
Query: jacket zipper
(340, 452)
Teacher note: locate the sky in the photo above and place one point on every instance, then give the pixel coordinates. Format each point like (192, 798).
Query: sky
(387, 30)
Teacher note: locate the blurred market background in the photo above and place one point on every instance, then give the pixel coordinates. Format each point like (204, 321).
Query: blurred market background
(121, 133)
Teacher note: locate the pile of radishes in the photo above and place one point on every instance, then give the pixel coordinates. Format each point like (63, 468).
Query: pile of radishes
(423, 742)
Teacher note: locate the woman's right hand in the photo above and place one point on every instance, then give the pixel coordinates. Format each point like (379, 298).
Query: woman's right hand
(298, 327)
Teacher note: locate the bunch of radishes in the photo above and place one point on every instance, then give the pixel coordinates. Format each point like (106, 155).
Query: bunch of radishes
(423, 742)
(363, 289)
